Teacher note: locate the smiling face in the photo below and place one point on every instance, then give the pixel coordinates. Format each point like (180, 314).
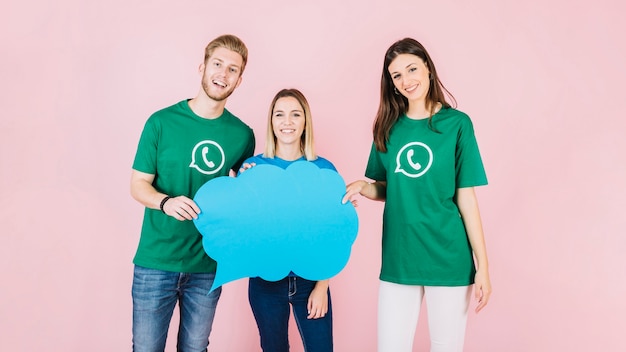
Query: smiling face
(221, 73)
(288, 121)
(410, 76)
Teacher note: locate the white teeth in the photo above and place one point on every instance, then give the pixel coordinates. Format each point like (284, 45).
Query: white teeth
(288, 131)
(220, 83)
(410, 89)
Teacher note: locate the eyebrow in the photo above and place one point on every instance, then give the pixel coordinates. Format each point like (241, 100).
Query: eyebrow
(297, 110)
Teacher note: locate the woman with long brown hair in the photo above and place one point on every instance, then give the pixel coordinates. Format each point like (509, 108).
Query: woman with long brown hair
(425, 164)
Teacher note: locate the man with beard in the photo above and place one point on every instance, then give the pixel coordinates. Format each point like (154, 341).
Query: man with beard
(182, 147)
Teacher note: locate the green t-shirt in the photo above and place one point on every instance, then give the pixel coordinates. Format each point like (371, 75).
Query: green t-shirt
(424, 239)
(184, 151)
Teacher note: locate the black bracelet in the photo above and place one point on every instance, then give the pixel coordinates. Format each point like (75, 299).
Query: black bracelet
(163, 203)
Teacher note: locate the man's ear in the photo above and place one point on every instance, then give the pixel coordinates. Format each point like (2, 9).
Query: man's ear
(238, 81)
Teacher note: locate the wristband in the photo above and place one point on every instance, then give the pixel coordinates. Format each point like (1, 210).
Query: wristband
(163, 203)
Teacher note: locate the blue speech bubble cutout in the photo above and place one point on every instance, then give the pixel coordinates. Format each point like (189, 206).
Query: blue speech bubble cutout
(270, 221)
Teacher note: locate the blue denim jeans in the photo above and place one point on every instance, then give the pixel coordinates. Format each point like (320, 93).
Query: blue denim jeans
(270, 305)
(155, 294)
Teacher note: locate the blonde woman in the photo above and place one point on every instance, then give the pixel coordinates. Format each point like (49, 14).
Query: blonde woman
(290, 139)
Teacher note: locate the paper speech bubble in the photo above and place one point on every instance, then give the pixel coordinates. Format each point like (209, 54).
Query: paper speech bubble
(269, 221)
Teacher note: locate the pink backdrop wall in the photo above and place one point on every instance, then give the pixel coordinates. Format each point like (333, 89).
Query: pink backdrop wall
(543, 82)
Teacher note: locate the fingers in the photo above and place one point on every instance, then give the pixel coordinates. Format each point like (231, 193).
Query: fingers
(316, 312)
(346, 198)
(246, 166)
(481, 304)
(481, 294)
(317, 306)
(349, 193)
(351, 190)
(181, 208)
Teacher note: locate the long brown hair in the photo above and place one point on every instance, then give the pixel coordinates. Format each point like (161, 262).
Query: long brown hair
(393, 105)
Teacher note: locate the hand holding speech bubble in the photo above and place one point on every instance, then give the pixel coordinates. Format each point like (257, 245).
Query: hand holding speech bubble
(270, 221)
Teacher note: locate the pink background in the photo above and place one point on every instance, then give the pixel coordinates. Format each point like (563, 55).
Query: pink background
(543, 82)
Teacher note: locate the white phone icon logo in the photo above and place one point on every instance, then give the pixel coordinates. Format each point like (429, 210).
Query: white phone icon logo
(211, 164)
(412, 168)
(200, 157)
(409, 158)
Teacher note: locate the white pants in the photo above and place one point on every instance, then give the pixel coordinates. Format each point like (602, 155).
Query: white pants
(399, 309)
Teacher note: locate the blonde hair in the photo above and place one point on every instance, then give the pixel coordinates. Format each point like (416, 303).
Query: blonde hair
(230, 42)
(306, 140)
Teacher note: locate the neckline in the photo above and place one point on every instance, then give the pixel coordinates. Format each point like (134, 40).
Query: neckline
(300, 158)
(440, 108)
(424, 119)
(188, 108)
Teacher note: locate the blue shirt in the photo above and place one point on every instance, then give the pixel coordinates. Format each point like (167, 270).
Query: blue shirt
(282, 163)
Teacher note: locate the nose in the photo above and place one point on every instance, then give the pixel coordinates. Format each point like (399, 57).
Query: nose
(404, 80)
(223, 71)
(288, 119)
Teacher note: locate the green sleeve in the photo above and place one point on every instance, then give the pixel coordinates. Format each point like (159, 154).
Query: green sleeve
(375, 168)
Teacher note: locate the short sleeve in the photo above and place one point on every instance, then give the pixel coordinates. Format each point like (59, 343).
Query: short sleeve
(469, 167)
(249, 152)
(375, 169)
(146, 155)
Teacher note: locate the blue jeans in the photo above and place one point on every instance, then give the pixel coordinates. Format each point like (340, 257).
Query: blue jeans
(155, 294)
(270, 305)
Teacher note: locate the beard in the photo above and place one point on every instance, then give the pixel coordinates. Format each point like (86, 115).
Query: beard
(206, 86)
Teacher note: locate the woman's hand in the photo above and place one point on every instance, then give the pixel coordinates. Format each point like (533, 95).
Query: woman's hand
(353, 189)
(317, 306)
(371, 190)
(246, 166)
(482, 289)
